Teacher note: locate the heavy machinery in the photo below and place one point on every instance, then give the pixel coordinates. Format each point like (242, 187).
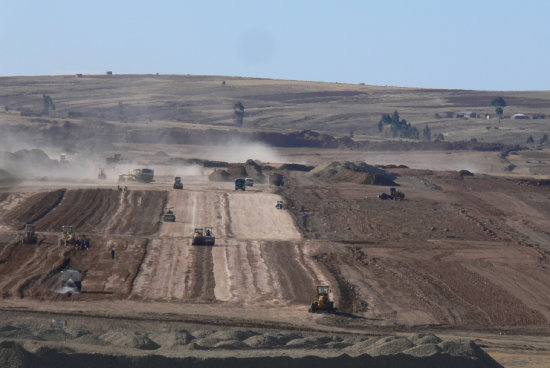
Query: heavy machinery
(28, 236)
(203, 236)
(141, 175)
(240, 183)
(397, 194)
(279, 205)
(71, 281)
(394, 195)
(101, 175)
(177, 183)
(323, 301)
(113, 159)
(169, 216)
(68, 237)
(249, 182)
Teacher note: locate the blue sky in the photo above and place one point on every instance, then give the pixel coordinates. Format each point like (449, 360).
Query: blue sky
(494, 45)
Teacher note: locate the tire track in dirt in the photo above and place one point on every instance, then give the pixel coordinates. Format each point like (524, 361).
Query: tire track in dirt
(35, 207)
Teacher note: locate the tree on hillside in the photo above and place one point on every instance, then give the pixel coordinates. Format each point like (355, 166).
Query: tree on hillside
(47, 103)
(399, 128)
(530, 140)
(499, 103)
(238, 113)
(544, 139)
(427, 133)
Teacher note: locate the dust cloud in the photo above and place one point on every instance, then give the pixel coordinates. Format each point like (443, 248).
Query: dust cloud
(235, 151)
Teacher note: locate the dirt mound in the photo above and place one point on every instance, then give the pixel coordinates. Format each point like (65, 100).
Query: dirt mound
(353, 172)
(220, 175)
(129, 339)
(250, 169)
(384, 352)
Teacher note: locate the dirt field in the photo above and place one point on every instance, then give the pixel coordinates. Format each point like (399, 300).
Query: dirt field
(462, 256)
(427, 263)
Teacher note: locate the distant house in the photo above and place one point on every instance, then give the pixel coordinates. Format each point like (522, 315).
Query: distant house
(78, 75)
(466, 114)
(519, 116)
(109, 72)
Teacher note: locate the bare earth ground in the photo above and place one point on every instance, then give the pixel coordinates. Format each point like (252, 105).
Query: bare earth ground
(462, 257)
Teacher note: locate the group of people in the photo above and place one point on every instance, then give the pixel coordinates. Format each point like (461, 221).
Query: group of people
(82, 244)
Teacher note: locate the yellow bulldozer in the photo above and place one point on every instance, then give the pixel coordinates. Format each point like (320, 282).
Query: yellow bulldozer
(68, 237)
(323, 301)
(29, 236)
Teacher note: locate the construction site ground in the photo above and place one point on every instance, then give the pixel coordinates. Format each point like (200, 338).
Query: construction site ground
(461, 256)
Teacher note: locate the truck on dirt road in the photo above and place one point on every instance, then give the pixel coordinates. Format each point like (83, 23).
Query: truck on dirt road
(177, 183)
(240, 183)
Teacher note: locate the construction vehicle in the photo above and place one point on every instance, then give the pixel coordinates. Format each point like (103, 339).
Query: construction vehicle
(177, 183)
(323, 301)
(113, 159)
(101, 175)
(141, 175)
(71, 281)
(28, 236)
(397, 194)
(240, 183)
(279, 205)
(203, 236)
(169, 216)
(68, 237)
(249, 182)
(394, 195)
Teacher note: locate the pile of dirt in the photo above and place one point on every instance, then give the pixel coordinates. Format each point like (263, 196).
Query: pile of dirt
(250, 169)
(317, 350)
(352, 172)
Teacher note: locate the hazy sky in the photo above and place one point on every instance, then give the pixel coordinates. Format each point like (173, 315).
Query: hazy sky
(497, 45)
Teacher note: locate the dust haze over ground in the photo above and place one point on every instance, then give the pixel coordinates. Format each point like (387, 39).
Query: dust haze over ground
(460, 258)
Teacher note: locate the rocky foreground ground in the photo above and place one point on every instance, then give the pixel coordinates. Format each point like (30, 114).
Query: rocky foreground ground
(25, 346)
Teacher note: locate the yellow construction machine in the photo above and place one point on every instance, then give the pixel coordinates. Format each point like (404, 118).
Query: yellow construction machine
(323, 301)
(29, 236)
(68, 237)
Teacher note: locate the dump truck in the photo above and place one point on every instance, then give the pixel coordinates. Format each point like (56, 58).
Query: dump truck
(240, 183)
(28, 236)
(169, 216)
(177, 183)
(203, 236)
(323, 301)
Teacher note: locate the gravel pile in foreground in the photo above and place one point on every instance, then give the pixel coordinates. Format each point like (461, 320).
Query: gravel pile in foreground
(35, 347)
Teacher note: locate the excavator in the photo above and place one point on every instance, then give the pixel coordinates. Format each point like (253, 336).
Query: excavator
(322, 302)
(203, 236)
